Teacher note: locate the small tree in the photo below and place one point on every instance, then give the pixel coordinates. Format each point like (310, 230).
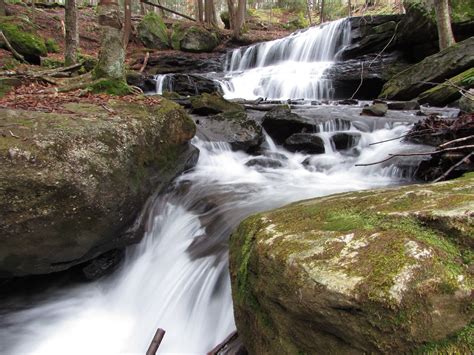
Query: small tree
(72, 34)
(445, 32)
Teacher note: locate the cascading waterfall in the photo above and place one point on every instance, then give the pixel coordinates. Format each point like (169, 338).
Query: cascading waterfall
(287, 68)
(162, 83)
(177, 277)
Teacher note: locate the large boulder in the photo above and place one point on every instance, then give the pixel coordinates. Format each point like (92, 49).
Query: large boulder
(152, 32)
(433, 69)
(309, 143)
(385, 271)
(233, 127)
(190, 84)
(193, 38)
(21, 34)
(162, 63)
(209, 104)
(72, 184)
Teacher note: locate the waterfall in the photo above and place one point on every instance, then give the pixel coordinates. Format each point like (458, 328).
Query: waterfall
(177, 277)
(287, 68)
(162, 82)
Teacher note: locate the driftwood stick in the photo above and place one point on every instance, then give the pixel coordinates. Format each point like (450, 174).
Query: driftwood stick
(463, 160)
(391, 156)
(145, 62)
(155, 343)
(456, 141)
(221, 345)
(409, 134)
(166, 9)
(11, 49)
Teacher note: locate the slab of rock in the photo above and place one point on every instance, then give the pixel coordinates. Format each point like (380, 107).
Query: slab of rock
(305, 142)
(209, 104)
(193, 38)
(280, 123)
(381, 271)
(190, 84)
(74, 184)
(264, 163)
(403, 105)
(377, 109)
(345, 140)
(152, 32)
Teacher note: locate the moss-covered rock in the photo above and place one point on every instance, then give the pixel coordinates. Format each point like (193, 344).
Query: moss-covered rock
(384, 271)
(413, 81)
(193, 38)
(152, 32)
(449, 91)
(21, 35)
(208, 104)
(73, 184)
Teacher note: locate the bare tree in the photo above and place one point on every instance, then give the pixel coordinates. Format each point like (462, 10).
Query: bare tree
(72, 34)
(3, 11)
(111, 53)
(445, 32)
(127, 22)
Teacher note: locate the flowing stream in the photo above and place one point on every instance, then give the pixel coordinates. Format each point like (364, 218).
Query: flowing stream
(177, 277)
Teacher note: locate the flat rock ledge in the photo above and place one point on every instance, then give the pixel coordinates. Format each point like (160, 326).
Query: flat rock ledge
(72, 184)
(382, 271)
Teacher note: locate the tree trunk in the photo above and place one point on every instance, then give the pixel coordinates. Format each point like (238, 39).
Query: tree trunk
(72, 34)
(231, 10)
(111, 53)
(127, 22)
(240, 18)
(321, 18)
(210, 12)
(349, 4)
(445, 33)
(199, 11)
(3, 11)
(308, 9)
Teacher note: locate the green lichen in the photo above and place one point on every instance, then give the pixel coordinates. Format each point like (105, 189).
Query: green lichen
(111, 87)
(459, 343)
(26, 43)
(152, 31)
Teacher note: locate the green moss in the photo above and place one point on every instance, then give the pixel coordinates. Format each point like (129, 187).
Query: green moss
(51, 46)
(112, 87)
(26, 43)
(177, 34)
(346, 220)
(152, 31)
(52, 63)
(460, 343)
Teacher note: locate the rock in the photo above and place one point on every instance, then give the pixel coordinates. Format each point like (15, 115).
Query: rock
(103, 265)
(191, 84)
(142, 81)
(343, 141)
(264, 163)
(378, 109)
(208, 104)
(305, 142)
(466, 103)
(280, 123)
(21, 34)
(436, 68)
(377, 271)
(152, 32)
(225, 19)
(78, 181)
(348, 102)
(193, 38)
(183, 63)
(403, 105)
(449, 91)
(233, 127)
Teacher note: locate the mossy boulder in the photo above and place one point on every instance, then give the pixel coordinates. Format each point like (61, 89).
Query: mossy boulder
(436, 68)
(209, 104)
(152, 32)
(193, 38)
(73, 184)
(383, 271)
(21, 35)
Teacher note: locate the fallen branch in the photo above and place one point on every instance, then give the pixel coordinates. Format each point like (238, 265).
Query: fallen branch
(145, 62)
(166, 9)
(222, 344)
(391, 156)
(155, 343)
(11, 49)
(463, 160)
(456, 141)
(404, 135)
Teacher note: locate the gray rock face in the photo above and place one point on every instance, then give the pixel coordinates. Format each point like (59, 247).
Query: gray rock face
(305, 142)
(152, 32)
(193, 38)
(377, 109)
(344, 141)
(74, 186)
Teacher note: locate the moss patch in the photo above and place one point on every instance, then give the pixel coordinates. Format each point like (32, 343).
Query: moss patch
(25, 42)
(111, 87)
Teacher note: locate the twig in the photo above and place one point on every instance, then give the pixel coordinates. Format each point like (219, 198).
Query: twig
(155, 343)
(391, 156)
(11, 49)
(361, 80)
(145, 62)
(405, 135)
(456, 141)
(108, 109)
(222, 344)
(166, 9)
(13, 134)
(463, 160)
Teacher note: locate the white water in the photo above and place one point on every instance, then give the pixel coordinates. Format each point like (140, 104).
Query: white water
(287, 68)
(187, 292)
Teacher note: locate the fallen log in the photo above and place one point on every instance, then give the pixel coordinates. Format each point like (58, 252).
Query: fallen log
(225, 343)
(167, 9)
(156, 341)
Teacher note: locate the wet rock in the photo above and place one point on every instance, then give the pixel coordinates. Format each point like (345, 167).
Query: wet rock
(466, 103)
(166, 64)
(343, 141)
(152, 32)
(403, 105)
(193, 38)
(190, 84)
(378, 109)
(142, 81)
(318, 274)
(208, 104)
(264, 163)
(433, 69)
(305, 142)
(103, 264)
(348, 102)
(233, 127)
(280, 123)
(82, 188)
